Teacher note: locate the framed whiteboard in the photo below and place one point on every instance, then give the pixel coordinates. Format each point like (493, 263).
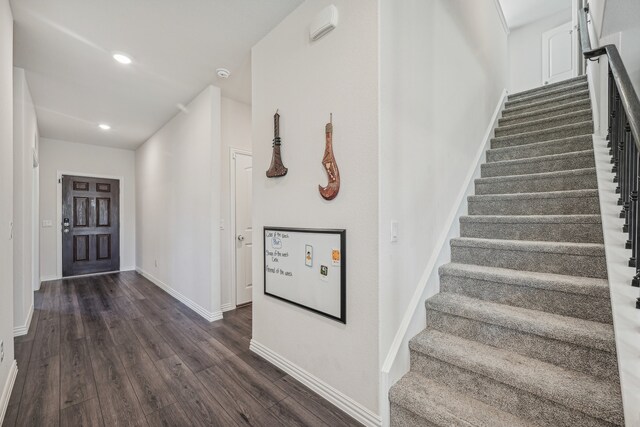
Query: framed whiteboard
(308, 268)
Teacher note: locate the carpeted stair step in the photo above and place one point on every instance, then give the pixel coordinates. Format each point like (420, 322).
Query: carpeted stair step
(581, 105)
(557, 146)
(577, 259)
(551, 163)
(545, 394)
(548, 103)
(582, 297)
(578, 344)
(577, 179)
(548, 87)
(545, 95)
(574, 202)
(552, 228)
(419, 401)
(558, 132)
(546, 123)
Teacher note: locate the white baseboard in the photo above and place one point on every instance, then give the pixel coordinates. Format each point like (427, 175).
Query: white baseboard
(22, 330)
(345, 403)
(396, 363)
(129, 268)
(49, 278)
(626, 317)
(6, 391)
(227, 307)
(210, 316)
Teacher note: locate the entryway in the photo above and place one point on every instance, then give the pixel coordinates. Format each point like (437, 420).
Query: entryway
(90, 225)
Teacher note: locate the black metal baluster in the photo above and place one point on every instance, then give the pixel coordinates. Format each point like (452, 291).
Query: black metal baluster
(626, 187)
(615, 148)
(633, 212)
(610, 110)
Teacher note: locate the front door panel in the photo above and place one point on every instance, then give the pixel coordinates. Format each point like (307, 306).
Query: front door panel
(90, 228)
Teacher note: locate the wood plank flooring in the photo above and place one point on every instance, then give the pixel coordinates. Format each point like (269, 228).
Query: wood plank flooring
(115, 350)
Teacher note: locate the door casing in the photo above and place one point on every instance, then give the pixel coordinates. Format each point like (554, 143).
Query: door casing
(59, 214)
(232, 217)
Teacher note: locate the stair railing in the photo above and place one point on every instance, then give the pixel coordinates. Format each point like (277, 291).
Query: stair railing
(623, 137)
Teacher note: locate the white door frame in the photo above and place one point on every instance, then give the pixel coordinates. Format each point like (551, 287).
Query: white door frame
(232, 219)
(59, 214)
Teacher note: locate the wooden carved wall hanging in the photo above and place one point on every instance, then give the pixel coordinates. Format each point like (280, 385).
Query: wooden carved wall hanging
(277, 168)
(329, 162)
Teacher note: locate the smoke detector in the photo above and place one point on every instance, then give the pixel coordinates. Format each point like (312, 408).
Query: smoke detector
(223, 73)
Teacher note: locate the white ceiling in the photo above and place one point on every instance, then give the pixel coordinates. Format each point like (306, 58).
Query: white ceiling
(65, 47)
(522, 12)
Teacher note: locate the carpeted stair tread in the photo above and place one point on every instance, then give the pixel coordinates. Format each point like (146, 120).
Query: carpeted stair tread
(585, 393)
(580, 259)
(546, 123)
(572, 107)
(568, 202)
(562, 328)
(550, 134)
(547, 87)
(574, 179)
(547, 103)
(586, 249)
(560, 228)
(582, 297)
(590, 286)
(539, 164)
(443, 406)
(547, 94)
(537, 149)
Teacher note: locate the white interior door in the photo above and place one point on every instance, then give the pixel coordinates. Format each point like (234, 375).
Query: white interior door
(558, 61)
(243, 231)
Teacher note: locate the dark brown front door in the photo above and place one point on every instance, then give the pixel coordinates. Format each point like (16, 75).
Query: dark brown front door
(90, 225)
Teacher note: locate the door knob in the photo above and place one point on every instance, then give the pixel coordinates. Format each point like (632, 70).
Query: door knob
(240, 237)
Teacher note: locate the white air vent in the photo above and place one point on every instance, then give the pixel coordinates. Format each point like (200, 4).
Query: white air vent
(324, 22)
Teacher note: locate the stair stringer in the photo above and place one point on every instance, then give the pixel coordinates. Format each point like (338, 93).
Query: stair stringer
(396, 362)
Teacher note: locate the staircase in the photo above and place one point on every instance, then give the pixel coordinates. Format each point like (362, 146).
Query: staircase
(521, 332)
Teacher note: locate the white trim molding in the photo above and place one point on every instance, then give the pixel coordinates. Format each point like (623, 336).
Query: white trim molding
(210, 316)
(626, 317)
(345, 403)
(503, 20)
(227, 307)
(6, 391)
(22, 330)
(396, 363)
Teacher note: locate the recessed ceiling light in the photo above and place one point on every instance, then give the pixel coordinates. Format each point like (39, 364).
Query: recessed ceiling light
(122, 58)
(104, 126)
(223, 73)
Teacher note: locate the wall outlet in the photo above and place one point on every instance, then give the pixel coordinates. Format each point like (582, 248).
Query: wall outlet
(394, 231)
(1, 351)
(47, 223)
(155, 262)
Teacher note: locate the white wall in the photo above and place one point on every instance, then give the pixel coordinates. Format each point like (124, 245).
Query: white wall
(235, 133)
(307, 81)
(25, 203)
(432, 126)
(178, 205)
(6, 202)
(83, 159)
(525, 51)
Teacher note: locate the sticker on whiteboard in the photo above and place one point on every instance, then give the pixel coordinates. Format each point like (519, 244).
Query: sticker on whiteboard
(335, 257)
(324, 273)
(308, 257)
(276, 242)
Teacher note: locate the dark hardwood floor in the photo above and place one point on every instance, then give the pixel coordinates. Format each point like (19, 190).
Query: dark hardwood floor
(115, 350)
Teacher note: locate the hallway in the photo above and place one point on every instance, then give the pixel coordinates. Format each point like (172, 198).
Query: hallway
(116, 350)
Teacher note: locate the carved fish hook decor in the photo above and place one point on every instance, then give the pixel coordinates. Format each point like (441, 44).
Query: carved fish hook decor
(329, 162)
(277, 167)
